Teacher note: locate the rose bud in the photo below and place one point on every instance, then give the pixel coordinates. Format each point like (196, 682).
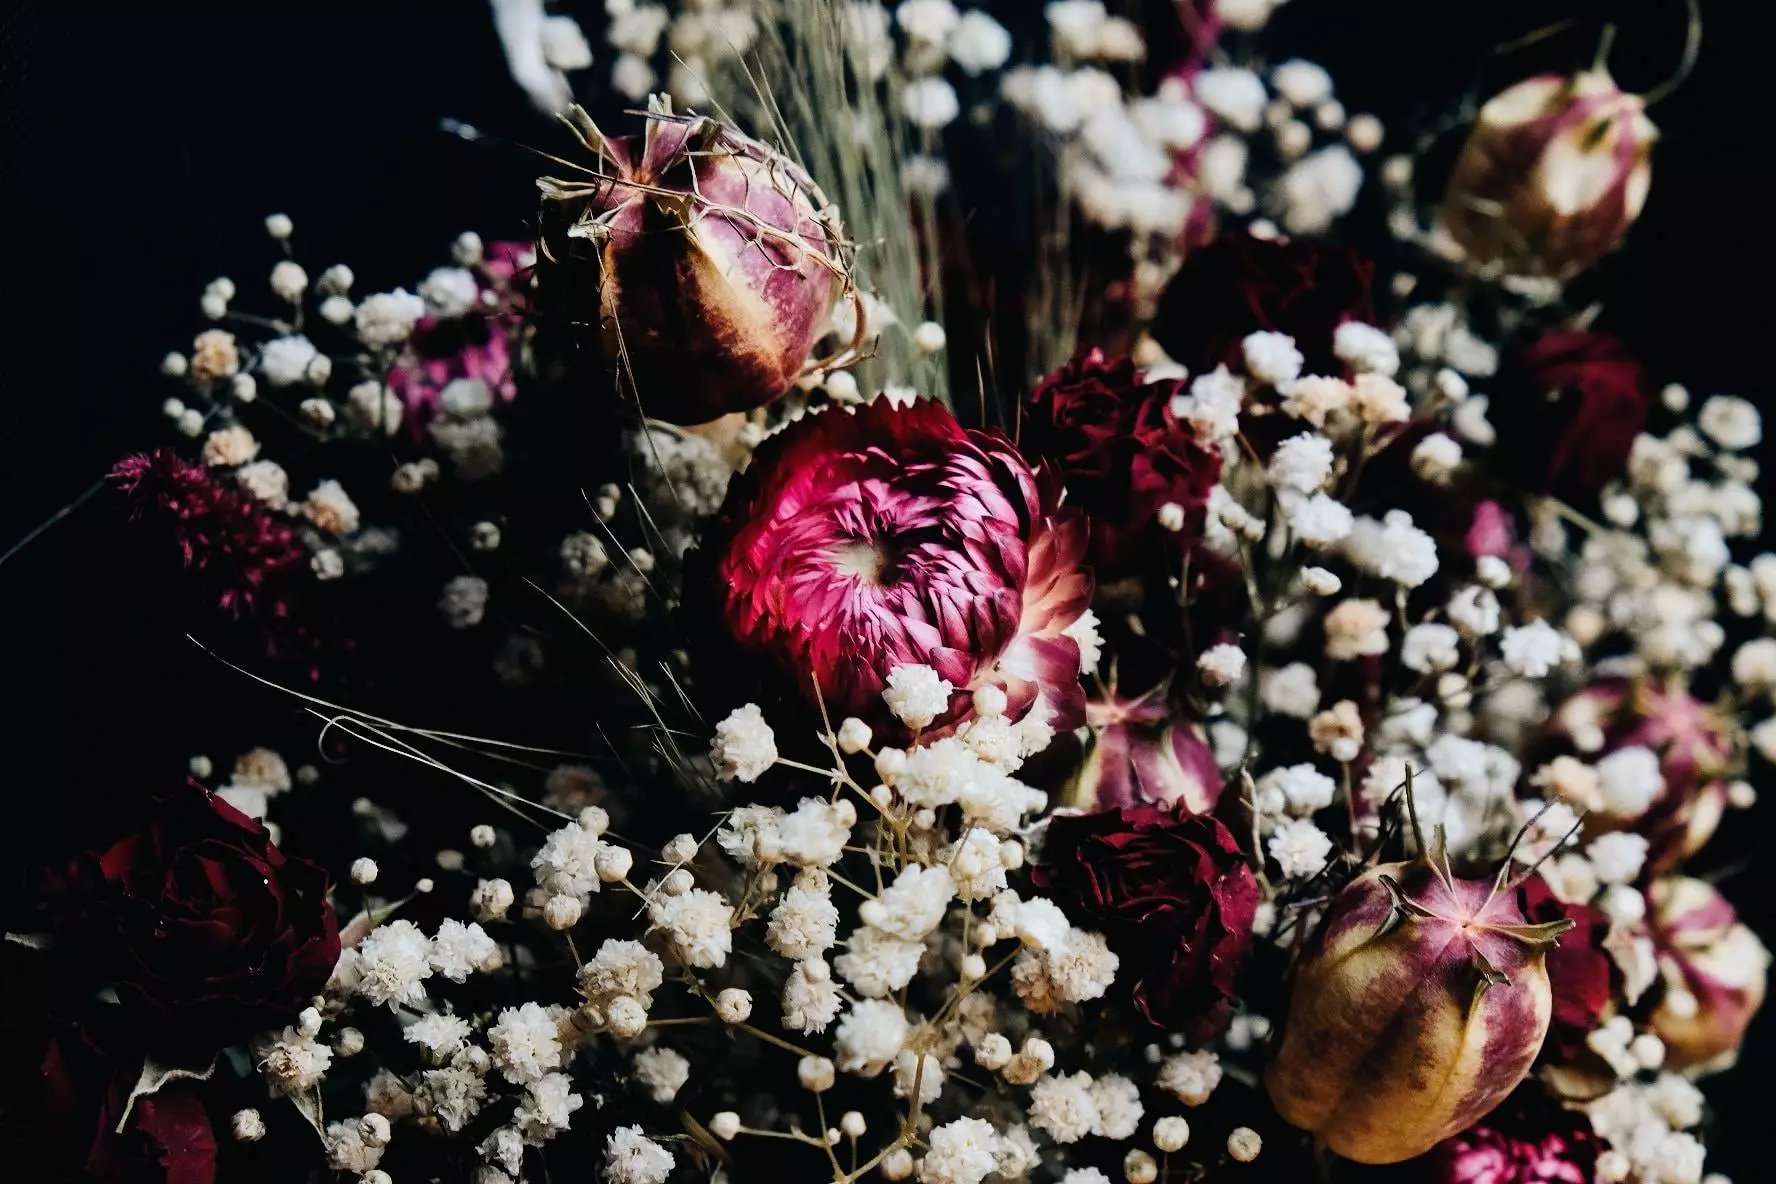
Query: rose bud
(706, 261)
(1421, 1003)
(1714, 969)
(1138, 756)
(1553, 174)
(859, 541)
(1679, 806)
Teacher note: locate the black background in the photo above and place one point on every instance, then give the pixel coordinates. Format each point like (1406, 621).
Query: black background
(142, 144)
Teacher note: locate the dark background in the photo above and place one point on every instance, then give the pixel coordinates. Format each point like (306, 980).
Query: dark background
(141, 145)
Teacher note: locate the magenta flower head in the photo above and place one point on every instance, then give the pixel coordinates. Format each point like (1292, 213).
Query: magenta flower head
(858, 541)
(1553, 174)
(1420, 1004)
(701, 265)
(1527, 1140)
(1714, 969)
(234, 547)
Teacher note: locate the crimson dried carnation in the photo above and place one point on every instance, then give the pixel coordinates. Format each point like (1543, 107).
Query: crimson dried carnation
(1527, 1140)
(1173, 895)
(1121, 451)
(205, 930)
(232, 543)
(859, 541)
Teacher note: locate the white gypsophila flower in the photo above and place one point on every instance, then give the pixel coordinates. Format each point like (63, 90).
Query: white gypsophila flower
(1356, 628)
(453, 1095)
(913, 905)
(1754, 666)
(564, 48)
(1338, 731)
(912, 1068)
(288, 281)
(1629, 781)
(930, 103)
(815, 833)
(1303, 787)
(1532, 650)
(1221, 665)
(504, 1147)
(1457, 759)
(752, 835)
(526, 1043)
(1037, 922)
(292, 1062)
(870, 1034)
(442, 1036)
(811, 998)
(1174, 123)
(965, 1151)
(1191, 1077)
(1435, 458)
(372, 407)
(1387, 776)
(1430, 647)
(347, 1151)
(1292, 690)
(1062, 1107)
(662, 1073)
(876, 964)
(1316, 399)
(1474, 610)
(394, 960)
(916, 694)
(935, 775)
(465, 398)
(567, 862)
(994, 739)
(1084, 632)
(978, 43)
(622, 968)
(1118, 1103)
(331, 509)
(1302, 83)
(1213, 405)
(284, 361)
(1235, 95)
(744, 746)
(1318, 521)
(1393, 549)
(1320, 582)
(1617, 857)
(1319, 189)
(930, 21)
(698, 924)
(1083, 968)
(459, 949)
(1731, 422)
(804, 923)
(976, 866)
(547, 1108)
(387, 318)
(265, 481)
(450, 292)
(1302, 463)
(1366, 349)
(1085, 1176)
(1299, 847)
(463, 603)
(1271, 357)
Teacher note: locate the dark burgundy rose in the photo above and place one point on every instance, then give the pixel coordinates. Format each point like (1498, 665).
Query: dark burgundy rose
(1567, 410)
(1578, 969)
(1120, 451)
(167, 1139)
(206, 931)
(1527, 1140)
(1173, 896)
(1239, 285)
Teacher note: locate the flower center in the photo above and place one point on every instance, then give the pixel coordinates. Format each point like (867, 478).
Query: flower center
(860, 561)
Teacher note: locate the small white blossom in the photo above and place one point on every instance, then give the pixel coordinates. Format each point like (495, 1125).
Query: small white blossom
(387, 318)
(1235, 95)
(1430, 647)
(525, 1043)
(1302, 463)
(1062, 1107)
(630, 1157)
(698, 924)
(1272, 358)
(1319, 521)
(1221, 665)
(284, 361)
(662, 1073)
(1366, 349)
(744, 746)
(1213, 405)
(1299, 847)
(394, 960)
(1617, 857)
(1731, 422)
(1531, 650)
(1291, 690)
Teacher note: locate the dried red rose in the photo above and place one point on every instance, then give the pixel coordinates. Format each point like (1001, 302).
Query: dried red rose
(859, 541)
(1121, 452)
(1174, 897)
(1567, 410)
(1239, 285)
(205, 931)
(1578, 968)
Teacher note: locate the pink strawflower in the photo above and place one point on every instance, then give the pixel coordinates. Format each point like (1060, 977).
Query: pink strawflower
(860, 541)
